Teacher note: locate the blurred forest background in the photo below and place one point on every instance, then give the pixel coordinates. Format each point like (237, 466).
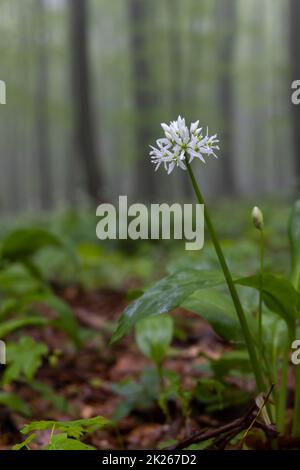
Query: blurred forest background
(89, 81)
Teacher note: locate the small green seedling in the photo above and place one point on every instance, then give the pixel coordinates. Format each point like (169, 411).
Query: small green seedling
(64, 435)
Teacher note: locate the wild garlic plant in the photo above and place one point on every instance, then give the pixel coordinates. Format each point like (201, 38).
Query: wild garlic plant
(268, 341)
(178, 148)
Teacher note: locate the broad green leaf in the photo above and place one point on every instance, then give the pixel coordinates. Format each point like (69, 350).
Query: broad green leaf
(76, 429)
(166, 295)
(278, 294)
(294, 236)
(63, 442)
(217, 308)
(11, 325)
(23, 358)
(25, 242)
(15, 403)
(16, 281)
(154, 335)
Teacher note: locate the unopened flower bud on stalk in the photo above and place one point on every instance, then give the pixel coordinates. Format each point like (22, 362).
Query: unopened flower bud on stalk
(258, 218)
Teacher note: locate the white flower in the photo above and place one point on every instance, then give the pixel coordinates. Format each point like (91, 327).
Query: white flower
(180, 143)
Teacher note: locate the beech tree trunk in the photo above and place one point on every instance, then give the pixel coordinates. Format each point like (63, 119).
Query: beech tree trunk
(81, 85)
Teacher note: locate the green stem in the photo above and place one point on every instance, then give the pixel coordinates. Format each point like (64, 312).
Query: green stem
(51, 435)
(161, 376)
(239, 309)
(281, 405)
(163, 401)
(262, 254)
(296, 418)
(270, 377)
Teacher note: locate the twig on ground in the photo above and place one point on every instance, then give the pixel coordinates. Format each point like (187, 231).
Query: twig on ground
(225, 433)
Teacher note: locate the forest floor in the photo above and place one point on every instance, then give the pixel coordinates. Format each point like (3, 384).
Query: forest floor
(205, 396)
(85, 380)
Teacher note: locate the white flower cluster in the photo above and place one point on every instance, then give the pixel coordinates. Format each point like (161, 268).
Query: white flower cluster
(180, 142)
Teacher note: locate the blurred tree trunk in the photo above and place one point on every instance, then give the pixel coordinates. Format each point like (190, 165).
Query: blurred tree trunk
(175, 58)
(42, 119)
(295, 69)
(179, 105)
(81, 87)
(226, 24)
(142, 94)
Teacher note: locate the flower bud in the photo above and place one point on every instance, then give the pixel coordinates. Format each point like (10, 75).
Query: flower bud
(258, 218)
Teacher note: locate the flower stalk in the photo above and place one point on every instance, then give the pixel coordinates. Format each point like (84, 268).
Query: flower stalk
(260, 307)
(296, 415)
(281, 404)
(258, 222)
(296, 421)
(232, 289)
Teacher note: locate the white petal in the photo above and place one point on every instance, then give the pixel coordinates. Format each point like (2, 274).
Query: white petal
(165, 127)
(181, 164)
(194, 126)
(171, 167)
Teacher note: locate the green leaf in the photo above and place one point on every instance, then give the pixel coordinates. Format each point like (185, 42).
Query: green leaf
(75, 429)
(23, 358)
(25, 242)
(278, 294)
(210, 391)
(294, 236)
(24, 443)
(66, 320)
(167, 443)
(230, 361)
(201, 445)
(218, 395)
(139, 395)
(217, 308)
(50, 395)
(8, 306)
(166, 295)
(16, 281)
(63, 442)
(15, 403)
(154, 335)
(11, 325)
